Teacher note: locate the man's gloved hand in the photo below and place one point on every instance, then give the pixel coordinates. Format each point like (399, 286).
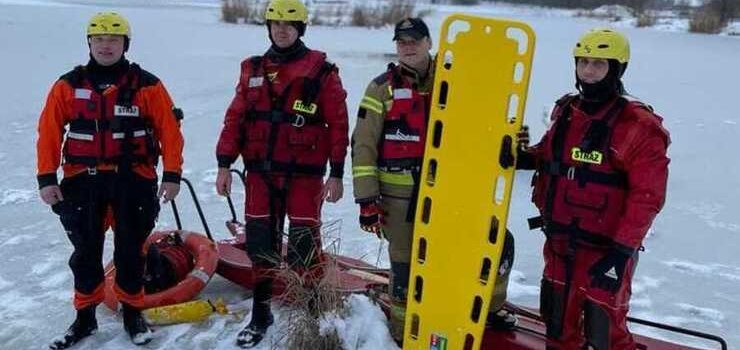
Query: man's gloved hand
(608, 272)
(371, 215)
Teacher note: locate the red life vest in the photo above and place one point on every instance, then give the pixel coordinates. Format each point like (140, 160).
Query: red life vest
(285, 131)
(404, 127)
(108, 129)
(577, 188)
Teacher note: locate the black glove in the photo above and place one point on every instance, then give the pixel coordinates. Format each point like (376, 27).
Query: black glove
(522, 138)
(608, 272)
(525, 159)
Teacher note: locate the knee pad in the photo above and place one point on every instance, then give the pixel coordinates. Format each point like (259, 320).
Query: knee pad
(260, 242)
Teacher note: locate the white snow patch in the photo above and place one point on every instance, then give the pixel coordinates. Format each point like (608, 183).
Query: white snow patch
(642, 284)
(732, 29)
(728, 272)
(5, 283)
(730, 276)
(612, 11)
(709, 315)
(15, 240)
(41, 225)
(209, 176)
(709, 212)
(517, 287)
(364, 328)
(686, 266)
(55, 280)
(641, 303)
(724, 225)
(15, 196)
(672, 24)
(678, 321)
(17, 305)
(171, 336)
(690, 3)
(42, 268)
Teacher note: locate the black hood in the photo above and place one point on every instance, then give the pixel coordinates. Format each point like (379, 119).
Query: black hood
(288, 54)
(103, 76)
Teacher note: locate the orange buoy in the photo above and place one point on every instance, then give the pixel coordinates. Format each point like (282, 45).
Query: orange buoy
(205, 256)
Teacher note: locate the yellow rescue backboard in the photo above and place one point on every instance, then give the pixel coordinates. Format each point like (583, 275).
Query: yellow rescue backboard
(480, 91)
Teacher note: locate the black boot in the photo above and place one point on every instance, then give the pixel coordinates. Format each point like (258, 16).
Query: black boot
(262, 317)
(501, 320)
(84, 325)
(135, 325)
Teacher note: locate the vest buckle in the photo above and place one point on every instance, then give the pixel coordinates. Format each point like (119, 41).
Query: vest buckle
(571, 173)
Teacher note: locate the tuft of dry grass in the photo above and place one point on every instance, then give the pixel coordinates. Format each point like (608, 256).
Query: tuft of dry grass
(706, 21)
(329, 14)
(309, 307)
(243, 11)
(312, 300)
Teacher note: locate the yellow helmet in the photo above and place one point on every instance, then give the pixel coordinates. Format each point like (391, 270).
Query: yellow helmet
(603, 43)
(109, 23)
(286, 10)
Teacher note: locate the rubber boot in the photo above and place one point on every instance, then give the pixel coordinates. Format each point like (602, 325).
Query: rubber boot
(262, 317)
(398, 290)
(135, 325)
(84, 325)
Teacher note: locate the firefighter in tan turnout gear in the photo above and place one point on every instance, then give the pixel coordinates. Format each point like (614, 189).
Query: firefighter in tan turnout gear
(387, 150)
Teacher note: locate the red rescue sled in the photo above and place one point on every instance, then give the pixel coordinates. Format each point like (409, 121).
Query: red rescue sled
(356, 276)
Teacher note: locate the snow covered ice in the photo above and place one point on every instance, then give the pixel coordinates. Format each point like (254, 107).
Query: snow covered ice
(689, 276)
